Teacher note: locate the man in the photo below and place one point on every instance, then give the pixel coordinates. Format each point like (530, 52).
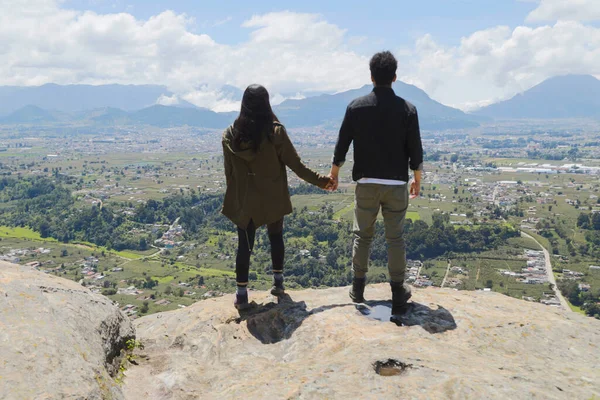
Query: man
(384, 129)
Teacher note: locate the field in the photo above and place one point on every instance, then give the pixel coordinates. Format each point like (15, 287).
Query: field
(22, 233)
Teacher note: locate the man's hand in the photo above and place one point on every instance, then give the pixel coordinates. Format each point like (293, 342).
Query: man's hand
(333, 183)
(334, 176)
(415, 189)
(415, 185)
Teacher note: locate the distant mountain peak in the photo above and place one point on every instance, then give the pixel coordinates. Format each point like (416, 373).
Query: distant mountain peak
(330, 108)
(564, 96)
(29, 114)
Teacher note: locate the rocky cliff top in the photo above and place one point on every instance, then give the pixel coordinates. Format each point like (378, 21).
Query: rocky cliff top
(316, 344)
(60, 341)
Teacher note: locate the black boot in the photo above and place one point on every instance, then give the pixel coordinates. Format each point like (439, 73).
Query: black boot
(278, 289)
(358, 290)
(400, 294)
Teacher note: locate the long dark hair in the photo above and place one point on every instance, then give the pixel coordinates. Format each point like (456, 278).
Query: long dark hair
(256, 118)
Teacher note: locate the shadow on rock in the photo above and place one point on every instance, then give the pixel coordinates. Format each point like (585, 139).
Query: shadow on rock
(273, 322)
(433, 321)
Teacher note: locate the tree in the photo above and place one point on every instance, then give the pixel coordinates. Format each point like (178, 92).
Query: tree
(150, 283)
(144, 308)
(596, 221)
(454, 158)
(332, 259)
(570, 289)
(180, 292)
(168, 290)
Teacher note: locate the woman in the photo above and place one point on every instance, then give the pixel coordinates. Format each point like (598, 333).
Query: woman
(256, 150)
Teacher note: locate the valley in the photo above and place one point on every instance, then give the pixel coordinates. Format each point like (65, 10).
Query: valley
(481, 184)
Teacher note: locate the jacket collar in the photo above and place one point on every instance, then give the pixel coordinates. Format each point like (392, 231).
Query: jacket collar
(383, 90)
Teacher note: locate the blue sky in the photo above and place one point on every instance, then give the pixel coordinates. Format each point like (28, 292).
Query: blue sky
(390, 24)
(463, 53)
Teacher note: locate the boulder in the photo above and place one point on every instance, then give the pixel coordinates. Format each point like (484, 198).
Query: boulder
(58, 340)
(316, 344)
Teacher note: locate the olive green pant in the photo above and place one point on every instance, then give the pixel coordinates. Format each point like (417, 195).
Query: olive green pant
(393, 202)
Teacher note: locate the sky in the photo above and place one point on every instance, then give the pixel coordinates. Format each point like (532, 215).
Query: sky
(463, 53)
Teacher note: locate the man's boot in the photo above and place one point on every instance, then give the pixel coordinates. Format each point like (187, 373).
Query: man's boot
(358, 290)
(400, 294)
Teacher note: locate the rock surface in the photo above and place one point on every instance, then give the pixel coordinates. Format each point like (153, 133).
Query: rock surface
(58, 340)
(315, 344)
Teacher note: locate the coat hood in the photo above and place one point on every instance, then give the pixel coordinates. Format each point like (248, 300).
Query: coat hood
(244, 152)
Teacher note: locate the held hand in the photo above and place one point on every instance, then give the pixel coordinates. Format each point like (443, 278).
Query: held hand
(415, 189)
(333, 183)
(329, 185)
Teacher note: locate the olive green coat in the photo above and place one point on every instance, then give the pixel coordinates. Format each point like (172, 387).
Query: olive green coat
(257, 185)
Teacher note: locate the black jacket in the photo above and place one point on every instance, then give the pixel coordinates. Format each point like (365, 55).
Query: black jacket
(385, 131)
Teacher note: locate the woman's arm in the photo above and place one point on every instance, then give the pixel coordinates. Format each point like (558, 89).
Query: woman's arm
(289, 156)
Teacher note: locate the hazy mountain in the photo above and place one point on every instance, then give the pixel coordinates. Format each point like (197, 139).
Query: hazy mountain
(70, 98)
(569, 96)
(29, 115)
(123, 105)
(164, 117)
(107, 116)
(330, 109)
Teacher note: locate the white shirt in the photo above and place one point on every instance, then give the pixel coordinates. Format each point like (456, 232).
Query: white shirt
(389, 182)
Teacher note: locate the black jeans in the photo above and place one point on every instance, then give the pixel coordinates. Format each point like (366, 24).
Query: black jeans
(246, 244)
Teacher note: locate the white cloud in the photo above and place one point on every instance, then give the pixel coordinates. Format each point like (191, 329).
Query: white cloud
(280, 98)
(497, 63)
(287, 52)
(572, 10)
(164, 100)
(213, 98)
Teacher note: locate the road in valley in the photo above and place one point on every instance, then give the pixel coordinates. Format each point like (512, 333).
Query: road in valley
(549, 273)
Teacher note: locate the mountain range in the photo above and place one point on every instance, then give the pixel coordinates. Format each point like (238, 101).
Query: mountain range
(131, 105)
(571, 96)
(73, 98)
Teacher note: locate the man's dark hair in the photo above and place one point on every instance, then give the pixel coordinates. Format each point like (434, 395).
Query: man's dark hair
(383, 67)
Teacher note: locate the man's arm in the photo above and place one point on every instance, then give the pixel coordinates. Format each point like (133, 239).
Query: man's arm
(345, 138)
(415, 153)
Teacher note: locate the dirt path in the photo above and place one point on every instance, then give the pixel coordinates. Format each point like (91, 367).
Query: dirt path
(447, 272)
